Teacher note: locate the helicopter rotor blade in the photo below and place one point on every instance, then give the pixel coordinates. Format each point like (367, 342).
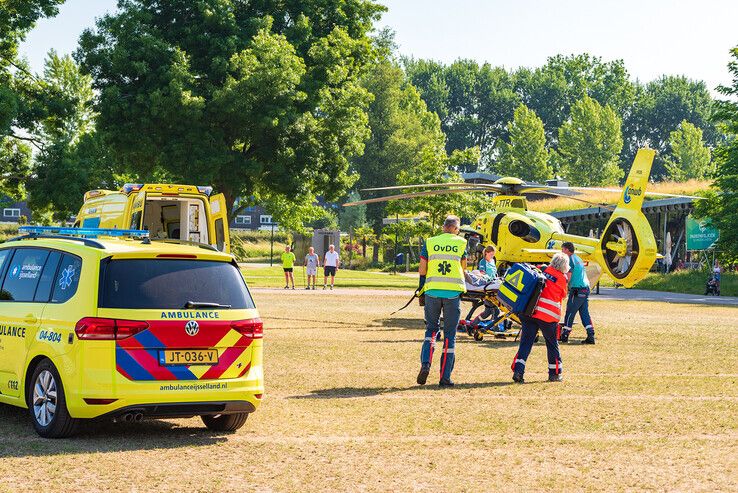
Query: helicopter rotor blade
(603, 206)
(427, 193)
(620, 190)
(430, 185)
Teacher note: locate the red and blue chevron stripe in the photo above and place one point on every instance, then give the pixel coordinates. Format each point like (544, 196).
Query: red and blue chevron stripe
(139, 358)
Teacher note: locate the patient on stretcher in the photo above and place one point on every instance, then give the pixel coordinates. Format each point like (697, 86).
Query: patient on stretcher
(477, 281)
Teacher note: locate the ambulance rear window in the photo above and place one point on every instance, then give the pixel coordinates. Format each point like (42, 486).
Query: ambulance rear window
(170, 284)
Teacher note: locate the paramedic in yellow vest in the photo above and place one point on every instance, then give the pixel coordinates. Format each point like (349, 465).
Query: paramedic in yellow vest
(442, 265)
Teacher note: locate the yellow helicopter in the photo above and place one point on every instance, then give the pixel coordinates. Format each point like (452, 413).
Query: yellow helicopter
(626, 250)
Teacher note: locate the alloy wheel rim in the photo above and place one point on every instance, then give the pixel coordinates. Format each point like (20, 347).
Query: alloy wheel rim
(44, 398)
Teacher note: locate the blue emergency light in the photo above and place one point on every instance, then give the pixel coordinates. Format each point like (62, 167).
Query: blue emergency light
(85, 232)
(207, 190)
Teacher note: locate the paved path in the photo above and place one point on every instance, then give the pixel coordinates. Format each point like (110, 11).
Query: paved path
(605, 293)
(644, 295)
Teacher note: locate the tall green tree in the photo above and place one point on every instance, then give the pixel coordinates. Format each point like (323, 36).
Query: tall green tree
(71, 159)
(473, 102)
(688, 157)
(526, 156)
(404, 134)
(659, 108)
(551, 90)
(24, 100)
(589, 144)
(723, 206)
(254, 97)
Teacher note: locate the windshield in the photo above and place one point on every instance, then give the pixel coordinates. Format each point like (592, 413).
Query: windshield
(171, 283)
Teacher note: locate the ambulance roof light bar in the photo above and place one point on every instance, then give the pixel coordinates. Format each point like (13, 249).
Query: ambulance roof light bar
(132, 187)
(84, 232)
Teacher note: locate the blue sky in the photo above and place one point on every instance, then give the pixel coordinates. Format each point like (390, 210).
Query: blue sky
(654, 37)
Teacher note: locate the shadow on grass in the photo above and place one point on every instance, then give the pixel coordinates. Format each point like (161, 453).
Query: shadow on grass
(353, 392)
(392, 324)
(19, 439)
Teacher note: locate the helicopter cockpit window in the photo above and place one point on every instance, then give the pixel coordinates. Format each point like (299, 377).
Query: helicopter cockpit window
(518, 203)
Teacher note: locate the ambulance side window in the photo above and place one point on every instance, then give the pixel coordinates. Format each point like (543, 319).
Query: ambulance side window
(24, 272)
(136, 220)
(67, 278)
(43, 291)
(219, 234)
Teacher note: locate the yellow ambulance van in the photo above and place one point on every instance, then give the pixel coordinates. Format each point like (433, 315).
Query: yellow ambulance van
(167, 212)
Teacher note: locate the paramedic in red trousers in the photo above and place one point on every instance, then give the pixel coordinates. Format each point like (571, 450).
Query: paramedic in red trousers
(442, 265)
(545, 317)
(578, 296)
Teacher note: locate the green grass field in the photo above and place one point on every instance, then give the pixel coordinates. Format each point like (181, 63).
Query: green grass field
(652, 407)
(273, 277)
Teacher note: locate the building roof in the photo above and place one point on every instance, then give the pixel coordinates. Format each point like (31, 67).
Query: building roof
(649, 207)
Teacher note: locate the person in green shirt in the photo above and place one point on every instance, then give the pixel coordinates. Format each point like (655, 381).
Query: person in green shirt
(288, 263)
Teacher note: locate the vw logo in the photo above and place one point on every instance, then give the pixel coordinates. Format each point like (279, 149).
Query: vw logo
(192, 328)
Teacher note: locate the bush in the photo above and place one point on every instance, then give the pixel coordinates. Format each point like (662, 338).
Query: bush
(260, 236)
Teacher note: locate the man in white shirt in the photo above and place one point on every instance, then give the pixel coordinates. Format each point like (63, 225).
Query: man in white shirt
(331, 262)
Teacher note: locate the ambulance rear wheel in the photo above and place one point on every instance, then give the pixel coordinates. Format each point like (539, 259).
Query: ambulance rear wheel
(47, 403)
(225, 422)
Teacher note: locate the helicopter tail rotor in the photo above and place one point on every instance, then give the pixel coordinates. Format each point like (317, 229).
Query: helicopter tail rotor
(627, 249)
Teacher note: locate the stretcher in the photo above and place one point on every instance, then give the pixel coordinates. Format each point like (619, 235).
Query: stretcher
(477, 295)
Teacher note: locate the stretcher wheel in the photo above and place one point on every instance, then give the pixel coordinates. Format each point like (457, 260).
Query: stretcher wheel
(478, 336)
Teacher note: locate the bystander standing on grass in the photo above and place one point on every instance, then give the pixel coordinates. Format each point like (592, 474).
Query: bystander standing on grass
(331, 262)
(312, 262)
(288, 264)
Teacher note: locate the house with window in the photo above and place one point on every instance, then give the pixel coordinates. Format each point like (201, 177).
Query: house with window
(12, 211)
(253, 218)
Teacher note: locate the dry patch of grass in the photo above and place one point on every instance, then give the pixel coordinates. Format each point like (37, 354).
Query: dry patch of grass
(653, 406)
(690, 187)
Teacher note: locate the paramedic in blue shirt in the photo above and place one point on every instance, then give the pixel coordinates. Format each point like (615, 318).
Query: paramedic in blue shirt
(578, 296)
(442, 266)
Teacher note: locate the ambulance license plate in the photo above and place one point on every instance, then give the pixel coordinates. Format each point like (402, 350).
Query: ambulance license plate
(169, 357)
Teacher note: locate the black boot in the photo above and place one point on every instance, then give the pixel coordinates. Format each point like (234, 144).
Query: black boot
(518, 377)
(564, 336)
(589, 340)
(423, 374)
(555, 378)
(445, 382)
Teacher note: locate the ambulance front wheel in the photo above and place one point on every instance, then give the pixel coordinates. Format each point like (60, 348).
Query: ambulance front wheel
(225, 422)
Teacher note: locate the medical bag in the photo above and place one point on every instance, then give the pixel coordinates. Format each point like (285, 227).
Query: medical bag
(521, 288)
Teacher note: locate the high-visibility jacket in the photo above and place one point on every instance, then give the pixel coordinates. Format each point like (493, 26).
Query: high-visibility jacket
(548, 308)
(444, 263)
